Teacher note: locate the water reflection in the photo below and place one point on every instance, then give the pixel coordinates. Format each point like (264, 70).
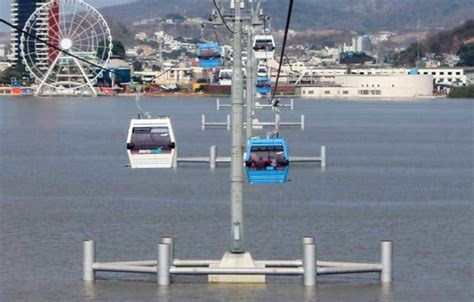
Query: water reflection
(195, 288)
(88, 290)
(386, 294)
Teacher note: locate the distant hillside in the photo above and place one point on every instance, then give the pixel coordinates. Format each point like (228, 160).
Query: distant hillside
(358, 15)
(447, 41)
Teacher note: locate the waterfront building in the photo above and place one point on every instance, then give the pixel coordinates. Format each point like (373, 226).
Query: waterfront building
(171, 76)
(120, 72)
(448, 76)
(21, 10)
(371, 86)
(442, 76)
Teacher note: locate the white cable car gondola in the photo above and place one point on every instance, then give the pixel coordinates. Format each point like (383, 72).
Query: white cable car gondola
(151, 143)
(264, 47)
(225, 77)
(262, 70)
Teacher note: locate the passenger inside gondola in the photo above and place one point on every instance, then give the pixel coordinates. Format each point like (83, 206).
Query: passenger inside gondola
(151, 140)
(263, 84)
(209, 54)
(264, 45)
(267, 158)
(225, 76)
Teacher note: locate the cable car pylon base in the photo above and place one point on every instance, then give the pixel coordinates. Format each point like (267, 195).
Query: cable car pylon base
(237, 268)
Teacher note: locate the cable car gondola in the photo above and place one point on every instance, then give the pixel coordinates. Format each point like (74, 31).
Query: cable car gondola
(151, 143)
(264, 46)
(266, 161)
(262, 71)
(225, 77)
(263, 85)
(209, 55)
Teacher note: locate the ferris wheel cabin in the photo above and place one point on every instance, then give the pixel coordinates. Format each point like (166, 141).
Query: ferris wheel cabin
(151, 143)
(264, 47)
(209, 55)
(266, 161)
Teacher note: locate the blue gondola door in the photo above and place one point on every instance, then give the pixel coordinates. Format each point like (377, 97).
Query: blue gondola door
(267, 161)
(263, 85)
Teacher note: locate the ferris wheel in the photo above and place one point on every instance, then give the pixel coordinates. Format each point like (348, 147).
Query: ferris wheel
(81, 32)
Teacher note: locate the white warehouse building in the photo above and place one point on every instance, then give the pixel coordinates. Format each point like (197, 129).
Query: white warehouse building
(372, 86)
(456, 76)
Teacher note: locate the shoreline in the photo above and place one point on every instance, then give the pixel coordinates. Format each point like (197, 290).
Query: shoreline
(225, 96)
(205, 95)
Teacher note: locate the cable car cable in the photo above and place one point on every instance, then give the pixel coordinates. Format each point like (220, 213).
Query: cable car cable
(287, 26)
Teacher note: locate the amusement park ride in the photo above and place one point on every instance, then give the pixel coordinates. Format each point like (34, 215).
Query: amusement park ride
(82, 34)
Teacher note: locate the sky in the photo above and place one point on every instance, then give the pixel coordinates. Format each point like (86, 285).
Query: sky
(5, 7)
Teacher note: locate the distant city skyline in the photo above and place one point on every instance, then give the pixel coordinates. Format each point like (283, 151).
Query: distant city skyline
(5, 8)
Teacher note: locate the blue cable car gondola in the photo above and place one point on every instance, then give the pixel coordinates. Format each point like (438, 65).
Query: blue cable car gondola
(263, 85)
(209, 55)
(266, 161)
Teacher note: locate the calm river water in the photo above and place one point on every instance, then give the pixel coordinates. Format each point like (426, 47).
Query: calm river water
(396, 170)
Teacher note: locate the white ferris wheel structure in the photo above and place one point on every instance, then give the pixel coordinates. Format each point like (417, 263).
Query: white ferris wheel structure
(76, 35)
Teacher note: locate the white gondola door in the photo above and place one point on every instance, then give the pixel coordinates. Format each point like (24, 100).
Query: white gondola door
(151, 143)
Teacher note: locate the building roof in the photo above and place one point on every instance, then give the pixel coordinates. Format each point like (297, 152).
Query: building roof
(118, 63)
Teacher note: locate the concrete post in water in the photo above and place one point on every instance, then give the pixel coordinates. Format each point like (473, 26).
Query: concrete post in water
(277, 120)
(308, 240)
(228, 122)
(88, 274)
(309, 263)
(212, 157)
(163, 264)
(175, 158)
(170, 242)
(237, 164)
(203, 122)
(323, 156)
(386, 261)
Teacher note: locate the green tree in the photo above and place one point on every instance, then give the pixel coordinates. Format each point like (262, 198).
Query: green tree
(466, 54)
(355, 58)
(462, 92)
(16, 72)
(118, 49)
(409, 56)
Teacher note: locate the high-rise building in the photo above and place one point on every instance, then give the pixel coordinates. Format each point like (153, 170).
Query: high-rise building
(21, 10)
(2, 51)
(361, 44)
